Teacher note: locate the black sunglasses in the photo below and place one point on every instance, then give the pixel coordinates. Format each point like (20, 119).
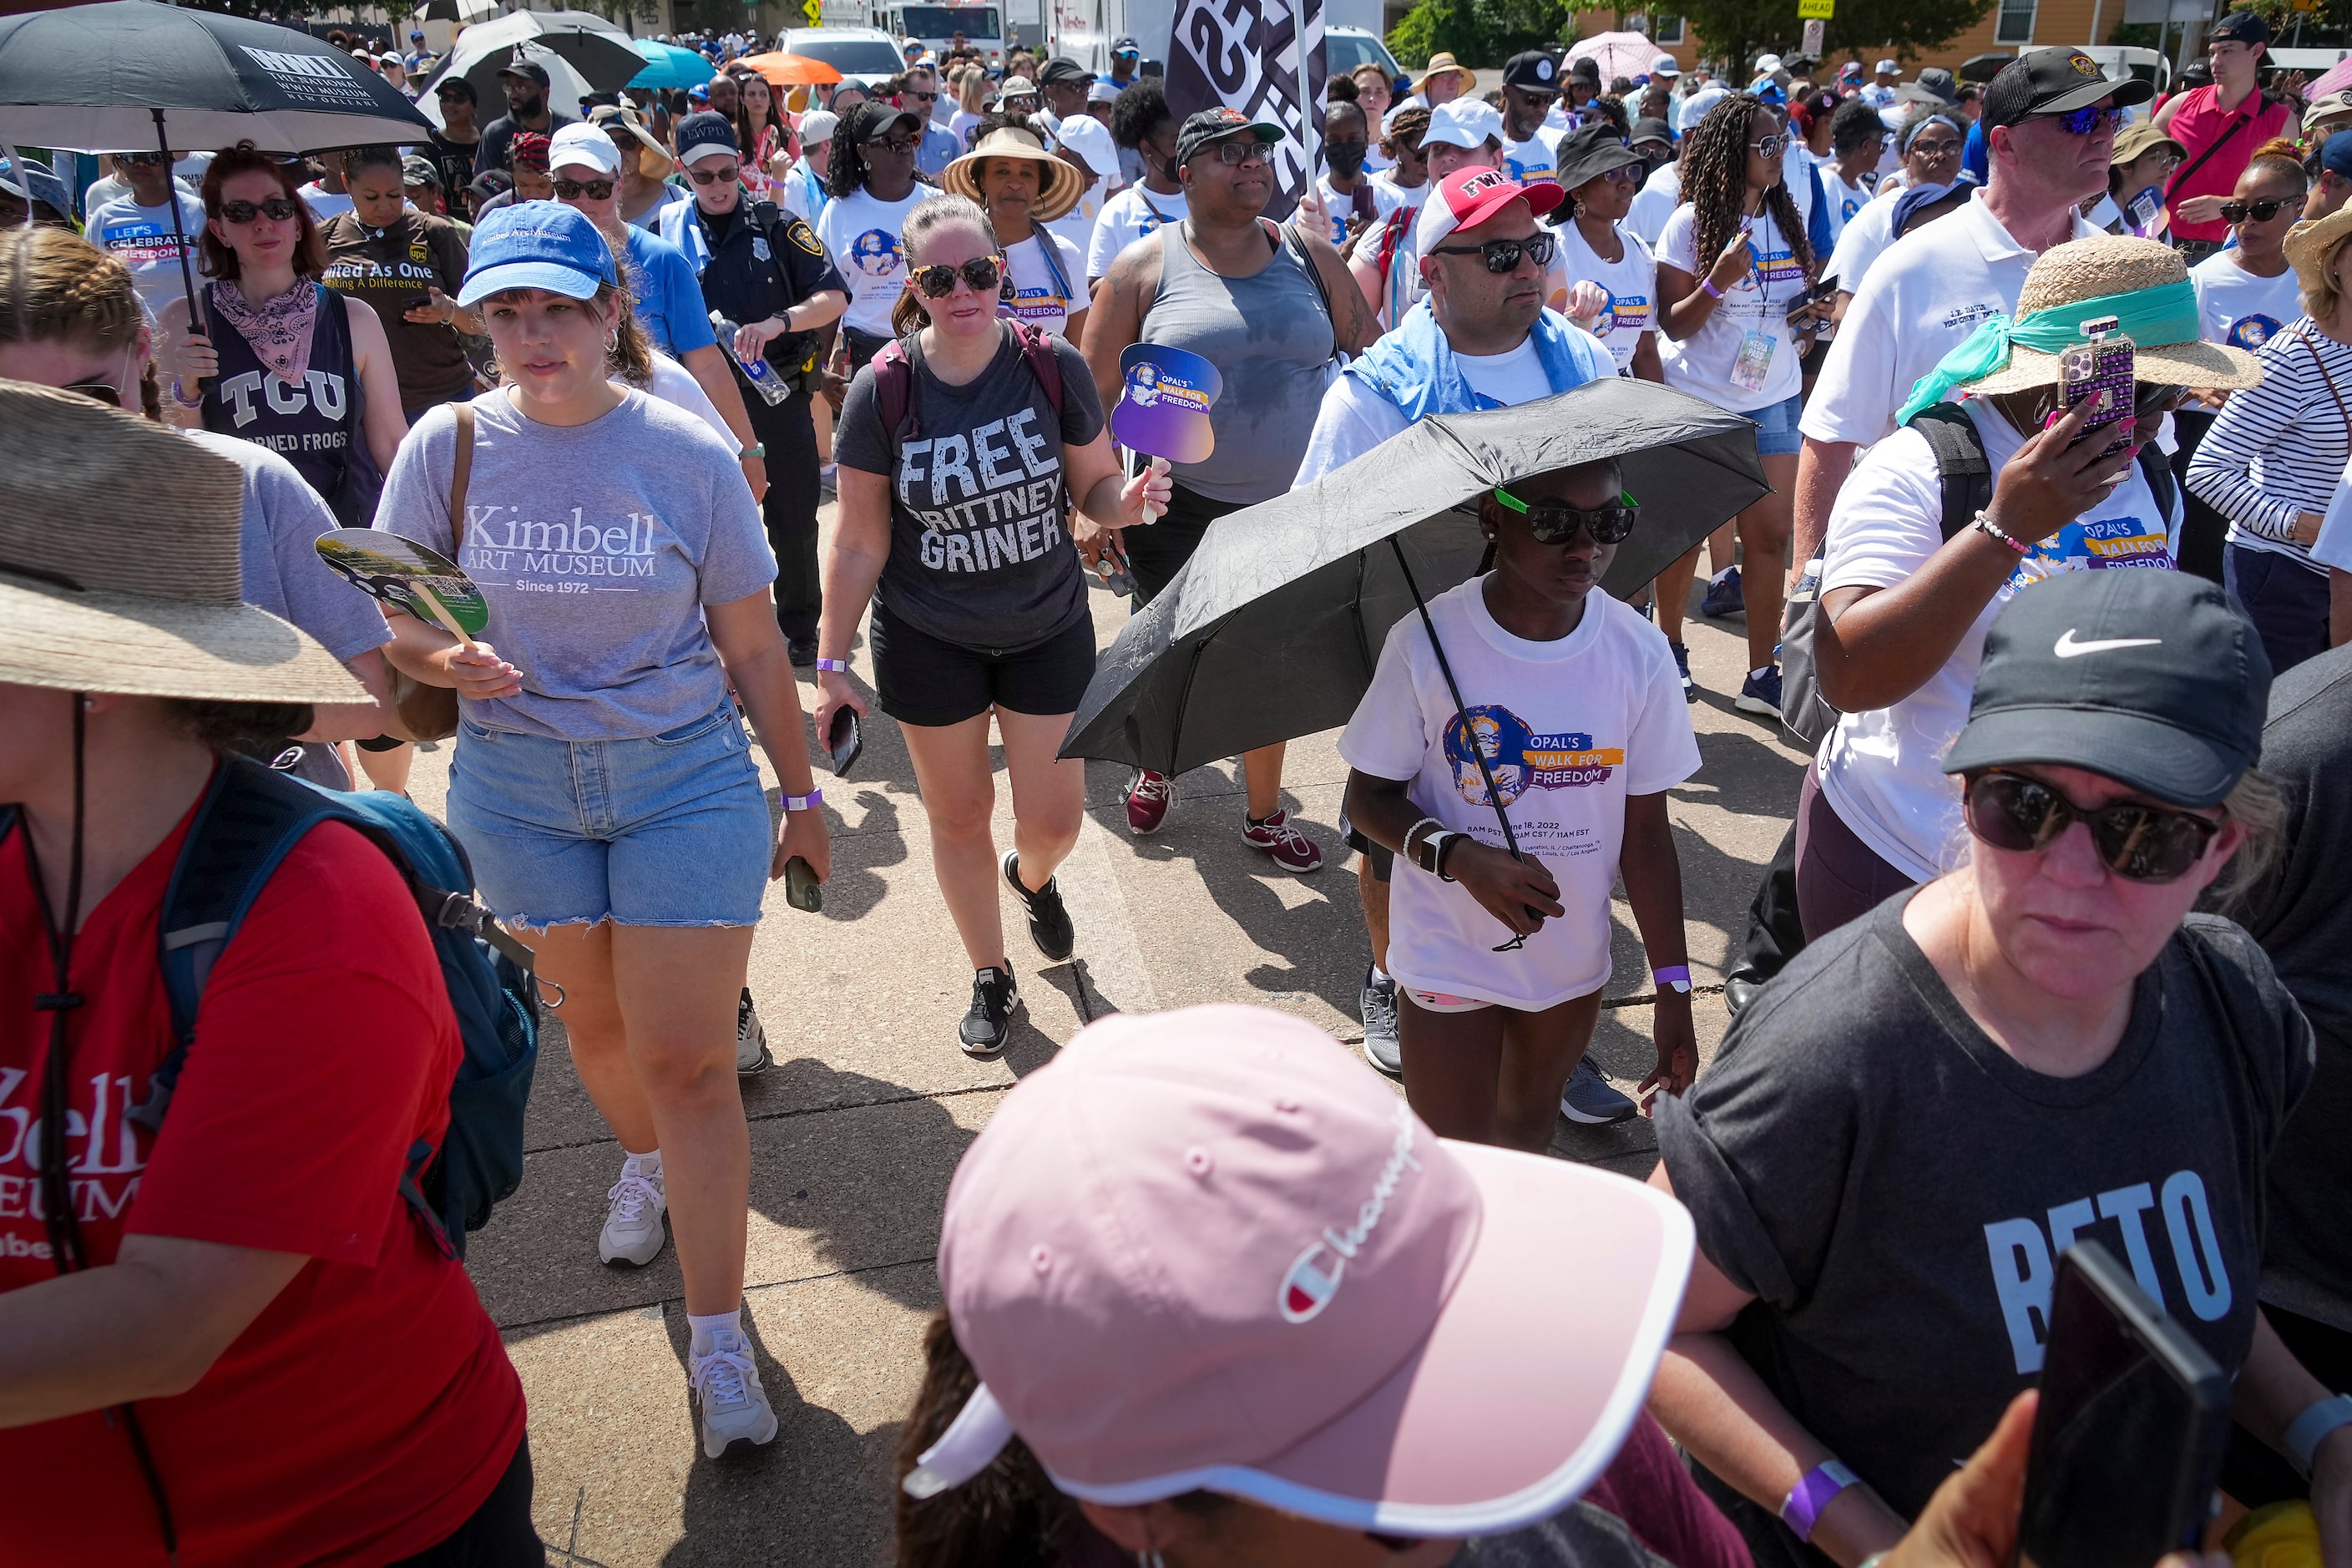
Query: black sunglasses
(2138, 843)
(103, 391)
(937, 282)
(725, 176)
(572, 190)
(1503, 254)
(2261, 212)
(278, 209)
(1554, 523)
(141, 160)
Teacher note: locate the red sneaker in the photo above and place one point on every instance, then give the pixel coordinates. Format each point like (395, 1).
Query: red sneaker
(1148, 796)
(1282, 844)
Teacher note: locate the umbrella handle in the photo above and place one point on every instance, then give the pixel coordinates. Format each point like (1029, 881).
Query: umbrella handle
(179, 235)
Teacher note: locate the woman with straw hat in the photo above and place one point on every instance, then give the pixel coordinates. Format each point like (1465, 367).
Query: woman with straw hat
(1443, 82)
(2271, 462)
(1909, 587)
(1022, 188)
(227, 1341)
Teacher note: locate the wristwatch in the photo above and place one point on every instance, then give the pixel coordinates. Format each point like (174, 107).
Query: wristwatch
(1431, 855)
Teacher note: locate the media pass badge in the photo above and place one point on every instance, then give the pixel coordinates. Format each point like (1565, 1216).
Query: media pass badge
(407, 576)
(1165, 398)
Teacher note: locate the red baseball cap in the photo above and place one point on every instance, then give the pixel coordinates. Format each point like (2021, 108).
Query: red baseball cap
(1210, 1249)
(1468, 198)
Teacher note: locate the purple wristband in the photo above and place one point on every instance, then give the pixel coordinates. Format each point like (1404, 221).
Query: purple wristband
(1822, 1482)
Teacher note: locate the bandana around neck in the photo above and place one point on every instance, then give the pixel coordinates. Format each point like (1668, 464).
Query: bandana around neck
(278, 329)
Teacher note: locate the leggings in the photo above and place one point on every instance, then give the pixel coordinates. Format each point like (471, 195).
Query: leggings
(498, 1534)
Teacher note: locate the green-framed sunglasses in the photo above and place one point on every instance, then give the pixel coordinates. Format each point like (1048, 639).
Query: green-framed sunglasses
(1554, 523)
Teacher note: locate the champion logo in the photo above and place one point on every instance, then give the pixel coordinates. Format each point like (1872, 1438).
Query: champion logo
(1314, 1278)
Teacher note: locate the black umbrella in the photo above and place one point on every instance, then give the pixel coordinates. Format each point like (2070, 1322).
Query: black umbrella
(1272, 629)
(126, 74)
(603, 56)
(1982, 68)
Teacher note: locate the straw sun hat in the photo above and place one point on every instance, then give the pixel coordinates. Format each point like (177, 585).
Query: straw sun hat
(2107, 265)
(1059, 182)
(2309, 246)
(97, 596)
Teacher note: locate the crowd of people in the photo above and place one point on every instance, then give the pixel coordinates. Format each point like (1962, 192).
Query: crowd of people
(612, 357)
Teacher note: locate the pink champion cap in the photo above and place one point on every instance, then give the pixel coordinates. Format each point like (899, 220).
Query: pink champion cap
(1212, 1249)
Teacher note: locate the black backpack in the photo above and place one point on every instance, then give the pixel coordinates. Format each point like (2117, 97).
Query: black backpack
(1966, 476)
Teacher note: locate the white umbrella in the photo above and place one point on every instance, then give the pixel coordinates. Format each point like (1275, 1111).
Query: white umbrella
(1628, 55)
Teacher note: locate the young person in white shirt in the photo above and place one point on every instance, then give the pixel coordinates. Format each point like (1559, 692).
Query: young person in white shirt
(1352, 200)
(1575, 721)
(1733, 267)
(1928, 291)
(1140, 120)
(1849, 174)
(874, 188)
(1407, 171)
(1904, 610)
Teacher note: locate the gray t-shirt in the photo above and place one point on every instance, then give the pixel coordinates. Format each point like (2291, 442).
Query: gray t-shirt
(596, 546)
(978, 553)
(283, 517)
(1896, 1188)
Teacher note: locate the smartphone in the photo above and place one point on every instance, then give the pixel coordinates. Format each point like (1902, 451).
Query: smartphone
(2098, 372)
(801, 889)
(844, 741)
(2127, 1442)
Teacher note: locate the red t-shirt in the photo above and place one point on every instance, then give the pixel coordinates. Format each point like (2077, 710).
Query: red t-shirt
(369, 1409)
(2197, 124)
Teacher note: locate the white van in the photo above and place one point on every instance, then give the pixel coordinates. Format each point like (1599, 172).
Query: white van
(865, 55)
(935, 26)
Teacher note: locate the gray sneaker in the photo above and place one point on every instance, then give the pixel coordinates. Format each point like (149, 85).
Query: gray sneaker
(751, 1040)
(1377, 1004)
(1589, 1099)
(733, 1407)
(633, 1217)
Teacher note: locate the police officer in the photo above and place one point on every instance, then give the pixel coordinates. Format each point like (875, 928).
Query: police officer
(764, 271)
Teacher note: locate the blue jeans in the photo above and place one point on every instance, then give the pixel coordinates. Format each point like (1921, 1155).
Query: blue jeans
(1776, 426)
(669, 830)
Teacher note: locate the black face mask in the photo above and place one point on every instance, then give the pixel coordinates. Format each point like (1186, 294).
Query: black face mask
(1347, 158)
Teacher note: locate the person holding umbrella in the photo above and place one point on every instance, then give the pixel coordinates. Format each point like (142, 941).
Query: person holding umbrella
(276, 357)
(138, 227)
(526, 84)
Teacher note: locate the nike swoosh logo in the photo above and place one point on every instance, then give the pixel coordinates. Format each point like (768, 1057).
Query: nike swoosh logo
(2067, 647)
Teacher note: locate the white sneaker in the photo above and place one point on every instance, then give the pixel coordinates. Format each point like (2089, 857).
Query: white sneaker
(734, 1408)
(633, 1217)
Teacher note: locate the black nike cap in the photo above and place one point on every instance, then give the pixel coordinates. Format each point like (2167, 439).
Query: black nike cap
(2150, 677)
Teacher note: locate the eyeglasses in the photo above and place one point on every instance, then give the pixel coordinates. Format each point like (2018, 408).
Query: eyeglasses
(2085, 122)
(1944, 147)
(276, 209)
(2138, 843)
(2261, 212)
(725, 176)
(1503, 254)
(103, 391)
(920, 97)
(1554, 523)
(982, 273)
(898, 144)
(1233, 154)
(1629, 174)
(1541, 99)
(1770, 146)
(572, 190)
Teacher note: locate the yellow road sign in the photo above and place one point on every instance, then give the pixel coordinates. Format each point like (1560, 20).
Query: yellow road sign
(1824, 9)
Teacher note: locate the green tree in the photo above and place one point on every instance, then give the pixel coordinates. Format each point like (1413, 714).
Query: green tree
(1479, 32)
(1743, 28)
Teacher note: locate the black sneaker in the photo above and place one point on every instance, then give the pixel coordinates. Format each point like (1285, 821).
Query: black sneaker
(1049, 923)
(802, 651)
(989, 1021)
(751, 1040)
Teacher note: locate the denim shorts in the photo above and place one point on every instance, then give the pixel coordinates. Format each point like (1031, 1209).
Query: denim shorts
(1776, 428)
(669, 830)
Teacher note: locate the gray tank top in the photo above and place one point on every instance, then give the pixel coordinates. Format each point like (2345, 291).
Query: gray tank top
(1270, 338)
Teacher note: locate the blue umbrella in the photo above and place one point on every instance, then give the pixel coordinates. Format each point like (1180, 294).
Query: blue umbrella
(667, 65)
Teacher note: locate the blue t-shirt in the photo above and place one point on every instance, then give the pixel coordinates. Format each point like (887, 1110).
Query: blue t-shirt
(668, 295)
(596, 546)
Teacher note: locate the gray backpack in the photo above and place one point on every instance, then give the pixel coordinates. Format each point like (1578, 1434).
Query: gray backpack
(1967, 477)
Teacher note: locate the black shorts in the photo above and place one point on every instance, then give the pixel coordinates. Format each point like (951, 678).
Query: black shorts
(921, 680)
(1157, 550)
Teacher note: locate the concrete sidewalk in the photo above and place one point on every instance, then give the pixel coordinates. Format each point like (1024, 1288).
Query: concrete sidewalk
(856, 1130)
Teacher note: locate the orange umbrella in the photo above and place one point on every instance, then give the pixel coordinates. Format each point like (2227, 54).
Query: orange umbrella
(783, 69)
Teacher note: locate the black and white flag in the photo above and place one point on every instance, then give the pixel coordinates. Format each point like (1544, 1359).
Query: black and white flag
(1245, 55)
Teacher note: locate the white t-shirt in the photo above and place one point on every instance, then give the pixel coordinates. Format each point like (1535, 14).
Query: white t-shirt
(1924, 294)
(676, 386)
(1510, 379)
(1654, 203)
(1406, 195)
(325, 204)
(1339, 206)
(1863, 237)
(962, 124)
(1537, 158)
(1077, 225)
(140, 238)
(1570, 727)
(1743, 358)
(1797, 174)
(1128, 218)
(1882, 769)
(1632, 281)
(1039, 297)
(2236, 307)
(1844, 200)
(860, 231)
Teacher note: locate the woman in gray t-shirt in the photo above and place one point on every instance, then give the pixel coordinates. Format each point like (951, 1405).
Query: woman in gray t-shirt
(961, 449)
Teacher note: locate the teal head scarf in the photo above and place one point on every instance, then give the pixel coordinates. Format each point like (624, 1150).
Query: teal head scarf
(2163, 315)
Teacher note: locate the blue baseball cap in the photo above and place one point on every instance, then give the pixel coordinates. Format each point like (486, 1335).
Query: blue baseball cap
(2335, 154)
(537, 244)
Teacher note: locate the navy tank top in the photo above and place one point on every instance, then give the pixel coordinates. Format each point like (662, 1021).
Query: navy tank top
(317, 425)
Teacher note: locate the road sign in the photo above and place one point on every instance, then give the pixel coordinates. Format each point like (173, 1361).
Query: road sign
(1812, 43)
(1824, 9)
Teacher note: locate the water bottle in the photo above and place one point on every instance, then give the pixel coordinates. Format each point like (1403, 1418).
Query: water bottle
(756, 370)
